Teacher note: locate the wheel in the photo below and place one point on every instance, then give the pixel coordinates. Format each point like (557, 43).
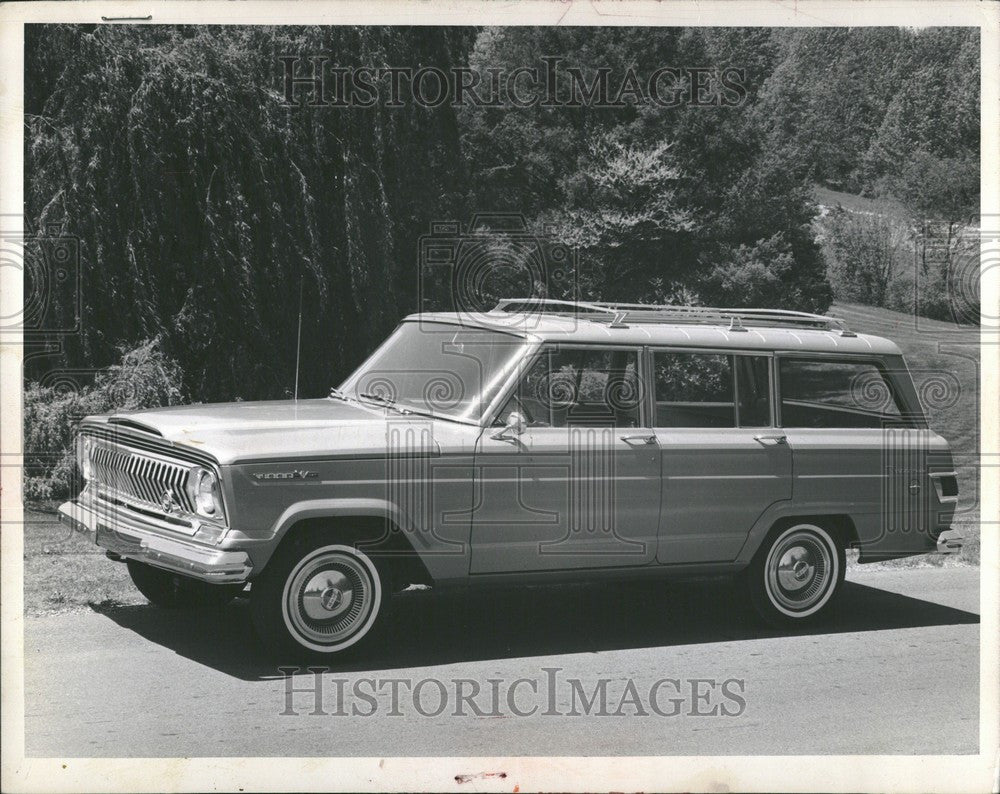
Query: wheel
(319, 599)
(171, 591)
(795, 574)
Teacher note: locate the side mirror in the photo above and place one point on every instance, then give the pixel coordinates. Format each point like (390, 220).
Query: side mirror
(512, 429)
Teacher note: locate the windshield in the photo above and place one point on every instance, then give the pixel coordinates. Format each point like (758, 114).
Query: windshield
(436, 368)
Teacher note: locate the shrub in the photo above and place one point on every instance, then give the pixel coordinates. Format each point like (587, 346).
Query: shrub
(943, 279)
(928, 268)
(144, 378)
(754, 275)
(866, 255)
(50, 419)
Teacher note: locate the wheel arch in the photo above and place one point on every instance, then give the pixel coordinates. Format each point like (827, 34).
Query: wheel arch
(374, 526)
(840, 525)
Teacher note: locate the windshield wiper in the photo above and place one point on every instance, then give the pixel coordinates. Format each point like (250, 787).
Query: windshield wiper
(338, 394)
(381, 399)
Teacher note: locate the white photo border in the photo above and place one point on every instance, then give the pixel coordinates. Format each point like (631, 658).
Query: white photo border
(967, 773)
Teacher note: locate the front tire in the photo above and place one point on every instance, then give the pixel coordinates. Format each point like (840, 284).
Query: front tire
(319, 599)
(795, 575)
(171, 591)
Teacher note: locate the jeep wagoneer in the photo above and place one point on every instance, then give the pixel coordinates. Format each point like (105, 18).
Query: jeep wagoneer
(543, 441)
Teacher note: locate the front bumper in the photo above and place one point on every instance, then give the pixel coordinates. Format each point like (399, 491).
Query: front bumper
(141, 540)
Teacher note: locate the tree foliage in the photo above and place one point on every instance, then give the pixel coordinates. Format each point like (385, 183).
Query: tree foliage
(652, 198)
(880, 110)
(204, 205)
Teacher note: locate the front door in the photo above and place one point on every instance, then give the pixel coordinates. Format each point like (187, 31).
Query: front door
(723, 461)
(579, 487)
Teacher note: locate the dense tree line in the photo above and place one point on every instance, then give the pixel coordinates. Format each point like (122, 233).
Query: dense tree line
(204, 203)
(881, 111)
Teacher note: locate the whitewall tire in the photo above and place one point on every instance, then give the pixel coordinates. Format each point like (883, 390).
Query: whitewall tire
(319, 598)
(795, 575)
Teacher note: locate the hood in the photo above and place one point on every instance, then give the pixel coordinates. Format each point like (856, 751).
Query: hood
(271, 430)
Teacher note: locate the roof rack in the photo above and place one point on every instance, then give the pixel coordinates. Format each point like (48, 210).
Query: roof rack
(620, 315)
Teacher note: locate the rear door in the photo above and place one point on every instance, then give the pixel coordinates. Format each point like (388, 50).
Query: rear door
(724, 463)
(860, 446)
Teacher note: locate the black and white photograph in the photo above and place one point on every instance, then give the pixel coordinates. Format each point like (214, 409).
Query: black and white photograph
(500, 396)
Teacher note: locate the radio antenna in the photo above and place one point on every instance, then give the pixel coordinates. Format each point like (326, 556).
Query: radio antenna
(298, 343)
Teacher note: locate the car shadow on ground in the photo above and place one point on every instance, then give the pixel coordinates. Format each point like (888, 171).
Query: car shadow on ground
(430, 628)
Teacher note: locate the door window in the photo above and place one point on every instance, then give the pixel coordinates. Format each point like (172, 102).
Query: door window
(571, 386)
(694, 389)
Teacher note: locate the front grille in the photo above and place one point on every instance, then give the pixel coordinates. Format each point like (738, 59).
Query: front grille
(141, 478)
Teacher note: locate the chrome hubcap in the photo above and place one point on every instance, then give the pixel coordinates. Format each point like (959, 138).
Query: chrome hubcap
(800, 571)
(327, 594)
(332, 597)
(796, 568)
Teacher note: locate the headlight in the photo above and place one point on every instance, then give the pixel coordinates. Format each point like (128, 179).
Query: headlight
(203, 488)
(84, 459)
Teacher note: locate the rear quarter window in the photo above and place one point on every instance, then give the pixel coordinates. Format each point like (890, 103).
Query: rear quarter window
(836, 393)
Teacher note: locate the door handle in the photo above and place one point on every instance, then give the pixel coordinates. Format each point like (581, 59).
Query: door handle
(648, 438)
(771, 441)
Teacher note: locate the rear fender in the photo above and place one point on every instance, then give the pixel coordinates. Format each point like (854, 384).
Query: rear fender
(819, 513)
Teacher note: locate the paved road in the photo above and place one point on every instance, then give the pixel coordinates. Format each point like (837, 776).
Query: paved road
(895, 671)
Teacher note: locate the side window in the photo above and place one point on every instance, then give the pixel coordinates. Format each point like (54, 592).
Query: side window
(579, 387)
(694, 390)
(826, 393)
(754, 389)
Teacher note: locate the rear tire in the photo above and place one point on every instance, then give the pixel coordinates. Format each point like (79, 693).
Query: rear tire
(171, 591)
(320, 599)
(795, 575)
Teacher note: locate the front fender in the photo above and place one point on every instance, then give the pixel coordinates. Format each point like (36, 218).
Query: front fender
(444, 558)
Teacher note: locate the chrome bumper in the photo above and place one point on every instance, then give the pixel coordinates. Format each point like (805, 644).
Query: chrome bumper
(137, 542)
(950, 542)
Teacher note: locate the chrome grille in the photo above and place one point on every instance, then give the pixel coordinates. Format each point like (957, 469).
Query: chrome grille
(134, 476)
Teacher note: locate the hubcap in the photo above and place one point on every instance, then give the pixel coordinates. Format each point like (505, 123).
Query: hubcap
(327, 594)
(800, 571)
(331, 598)
(796, 568)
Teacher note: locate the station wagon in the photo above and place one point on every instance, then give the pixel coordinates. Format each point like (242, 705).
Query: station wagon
(541, 442)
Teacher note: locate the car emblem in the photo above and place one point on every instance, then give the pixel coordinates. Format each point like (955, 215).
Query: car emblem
(295, 474)
(167, 501)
